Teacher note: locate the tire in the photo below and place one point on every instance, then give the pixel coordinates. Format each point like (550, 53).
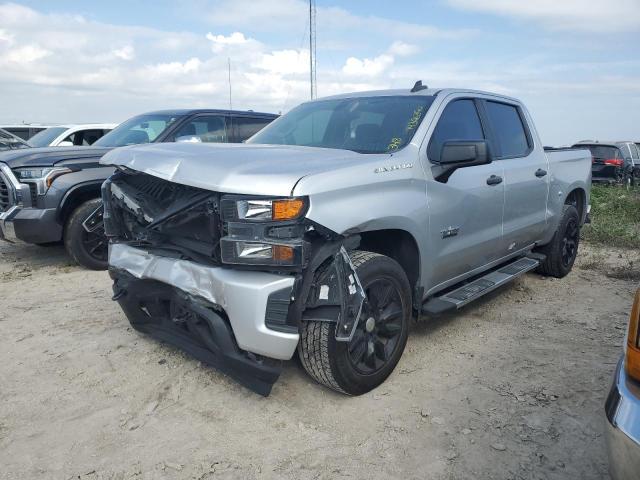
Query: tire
(361, 365)
(86, 249)
(561, 252)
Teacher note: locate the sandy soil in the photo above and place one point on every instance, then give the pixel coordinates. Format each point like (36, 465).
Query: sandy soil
(510, 388)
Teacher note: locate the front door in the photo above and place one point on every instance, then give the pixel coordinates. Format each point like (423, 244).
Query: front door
(465, 211)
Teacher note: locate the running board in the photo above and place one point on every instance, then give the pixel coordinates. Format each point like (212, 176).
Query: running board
(471, 291)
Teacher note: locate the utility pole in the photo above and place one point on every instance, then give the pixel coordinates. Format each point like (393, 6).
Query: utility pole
(312, 47)
(229, 74)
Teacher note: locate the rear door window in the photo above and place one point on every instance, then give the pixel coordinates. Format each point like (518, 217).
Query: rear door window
(508, 129)
(459, 121)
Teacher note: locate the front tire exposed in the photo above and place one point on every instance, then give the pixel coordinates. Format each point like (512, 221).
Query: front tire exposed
(89, 249)
(358, 366)
(562, 251)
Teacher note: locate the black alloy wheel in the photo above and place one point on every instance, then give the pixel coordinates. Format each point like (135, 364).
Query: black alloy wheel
(378, 332)
(96, 244)
(570, 242)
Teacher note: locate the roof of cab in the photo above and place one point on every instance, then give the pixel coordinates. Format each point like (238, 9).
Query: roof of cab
(428, 92)
(187, 111)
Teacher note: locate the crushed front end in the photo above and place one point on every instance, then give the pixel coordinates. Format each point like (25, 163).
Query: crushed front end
(228, 278)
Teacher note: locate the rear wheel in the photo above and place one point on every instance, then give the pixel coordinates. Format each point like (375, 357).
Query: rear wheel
(562, 251)
(89, 249)
(362, 364)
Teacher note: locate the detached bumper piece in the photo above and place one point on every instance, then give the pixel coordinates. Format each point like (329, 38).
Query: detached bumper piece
(193, 325)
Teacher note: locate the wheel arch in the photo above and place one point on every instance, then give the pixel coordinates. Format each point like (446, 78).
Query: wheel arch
(76, 196)
(578, 198)
(398, 244)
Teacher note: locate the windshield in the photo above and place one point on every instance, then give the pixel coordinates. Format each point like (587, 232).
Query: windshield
(380, 124)
(136, 130)
(44, 137)
(8, 141)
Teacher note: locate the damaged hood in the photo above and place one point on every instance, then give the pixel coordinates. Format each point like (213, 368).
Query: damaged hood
(234, 168)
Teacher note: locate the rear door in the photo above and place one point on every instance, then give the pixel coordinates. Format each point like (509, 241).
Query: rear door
(465, 210)
(526, 174)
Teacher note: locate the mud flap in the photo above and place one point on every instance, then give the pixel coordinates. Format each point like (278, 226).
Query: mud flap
(337, 296)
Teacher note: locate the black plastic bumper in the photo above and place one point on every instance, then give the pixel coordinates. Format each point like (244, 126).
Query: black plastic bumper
(31, 225)
(193, 325)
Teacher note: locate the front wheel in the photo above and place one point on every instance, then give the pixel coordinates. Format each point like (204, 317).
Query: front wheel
(562, 251)
(89, 249)
(362, 364)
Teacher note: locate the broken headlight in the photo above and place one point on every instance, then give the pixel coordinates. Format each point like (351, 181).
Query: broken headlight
(263, 231)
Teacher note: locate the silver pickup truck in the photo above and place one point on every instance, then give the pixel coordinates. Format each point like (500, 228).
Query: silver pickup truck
(333, 227)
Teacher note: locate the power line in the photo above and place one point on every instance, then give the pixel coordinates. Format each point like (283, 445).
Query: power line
(312, 48)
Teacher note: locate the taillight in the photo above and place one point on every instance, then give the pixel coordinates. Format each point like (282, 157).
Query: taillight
(616, 162)
(632, 354)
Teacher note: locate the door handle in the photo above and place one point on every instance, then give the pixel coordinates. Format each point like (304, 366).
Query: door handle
(540, 173)
(494, 180)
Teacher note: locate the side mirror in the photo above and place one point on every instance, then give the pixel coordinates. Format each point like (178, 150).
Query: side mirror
(65, 143)
(189, 139)
(459, 154)
(464, 153)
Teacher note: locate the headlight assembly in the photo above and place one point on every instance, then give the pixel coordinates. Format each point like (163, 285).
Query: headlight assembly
(260, 253)
(261, 210)
(43, 177)
(263, 231)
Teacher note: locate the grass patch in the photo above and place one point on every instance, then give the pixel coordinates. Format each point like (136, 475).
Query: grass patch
(615, 217)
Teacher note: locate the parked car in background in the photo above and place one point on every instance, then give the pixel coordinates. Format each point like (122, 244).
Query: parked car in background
(328, 229)
(50, 192)
(71, 135)
(11, 142)
(612, 162)
(25, 131)
(622, 407)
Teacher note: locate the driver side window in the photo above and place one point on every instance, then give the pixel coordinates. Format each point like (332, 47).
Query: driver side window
(459, 121)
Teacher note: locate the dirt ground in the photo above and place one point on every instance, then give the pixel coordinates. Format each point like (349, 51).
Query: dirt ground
(512, 387)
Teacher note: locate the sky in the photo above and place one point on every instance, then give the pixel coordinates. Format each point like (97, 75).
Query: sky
(575, 63)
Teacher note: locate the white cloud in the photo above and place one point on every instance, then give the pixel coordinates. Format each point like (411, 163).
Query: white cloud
(126, 53)
(6, 37)
(591, 15)
(220, 42)
(292, 15)
(285, 61)
(403, 49)
(25, 54)
(368, 67)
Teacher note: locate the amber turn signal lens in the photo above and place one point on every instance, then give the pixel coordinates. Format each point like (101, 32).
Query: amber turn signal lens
(287, 209)
(282, 253)
(632, 356)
